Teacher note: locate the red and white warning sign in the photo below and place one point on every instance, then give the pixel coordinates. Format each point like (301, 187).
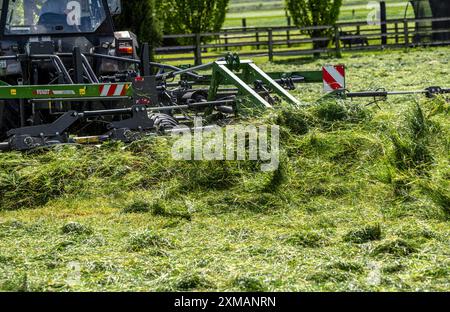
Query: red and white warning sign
(333, 77)
(113, 90)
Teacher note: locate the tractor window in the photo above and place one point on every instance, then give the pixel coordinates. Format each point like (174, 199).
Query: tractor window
(29, 17)
(115, 7)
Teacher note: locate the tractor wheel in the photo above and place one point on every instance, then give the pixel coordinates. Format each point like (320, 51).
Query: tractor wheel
(9, 118)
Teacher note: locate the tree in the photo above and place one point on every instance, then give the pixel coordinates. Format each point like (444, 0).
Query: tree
(195, 16)
(307, 13)
(139, 16)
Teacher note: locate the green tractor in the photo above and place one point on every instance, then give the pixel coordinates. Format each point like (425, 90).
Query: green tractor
(60, 42)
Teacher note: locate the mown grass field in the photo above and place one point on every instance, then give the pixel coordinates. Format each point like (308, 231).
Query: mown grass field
(272, 13)
(361, 201)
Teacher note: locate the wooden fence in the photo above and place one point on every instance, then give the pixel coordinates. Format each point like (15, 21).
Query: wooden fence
(291, 41)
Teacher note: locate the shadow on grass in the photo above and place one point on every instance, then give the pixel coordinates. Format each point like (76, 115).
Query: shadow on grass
(302, 60)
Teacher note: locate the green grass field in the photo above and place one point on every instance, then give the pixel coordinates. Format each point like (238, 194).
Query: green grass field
(272, 13)
(361, 201)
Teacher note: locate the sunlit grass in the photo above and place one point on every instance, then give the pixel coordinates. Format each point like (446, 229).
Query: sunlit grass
(359, 203)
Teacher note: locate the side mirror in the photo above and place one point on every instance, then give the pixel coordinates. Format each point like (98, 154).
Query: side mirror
(115, 7)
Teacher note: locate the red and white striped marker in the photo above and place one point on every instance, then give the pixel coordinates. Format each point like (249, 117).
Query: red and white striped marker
(113, 90)
(333, 77)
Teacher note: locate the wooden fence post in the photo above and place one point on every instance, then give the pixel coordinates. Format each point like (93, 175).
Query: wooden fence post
(383, 20)
(288, 34)
(257, 39)
(244, 24)
(406, 32)
(270, 43)
(226, 39)
(337, 38)
(396, 33)
(198, 49)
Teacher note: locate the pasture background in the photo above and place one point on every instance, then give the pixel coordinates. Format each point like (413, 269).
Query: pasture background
(272, 13)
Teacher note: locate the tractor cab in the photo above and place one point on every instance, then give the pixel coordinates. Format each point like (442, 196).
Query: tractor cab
(57, 17)
(57, 27)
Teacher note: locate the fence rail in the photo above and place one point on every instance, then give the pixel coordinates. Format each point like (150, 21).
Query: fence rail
(292, 41)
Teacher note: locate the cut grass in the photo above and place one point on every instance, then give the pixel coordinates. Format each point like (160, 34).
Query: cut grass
(364, 235)
(347, 210)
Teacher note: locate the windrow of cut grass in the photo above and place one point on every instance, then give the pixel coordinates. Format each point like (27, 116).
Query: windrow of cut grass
(329, 160)
(31, 180)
